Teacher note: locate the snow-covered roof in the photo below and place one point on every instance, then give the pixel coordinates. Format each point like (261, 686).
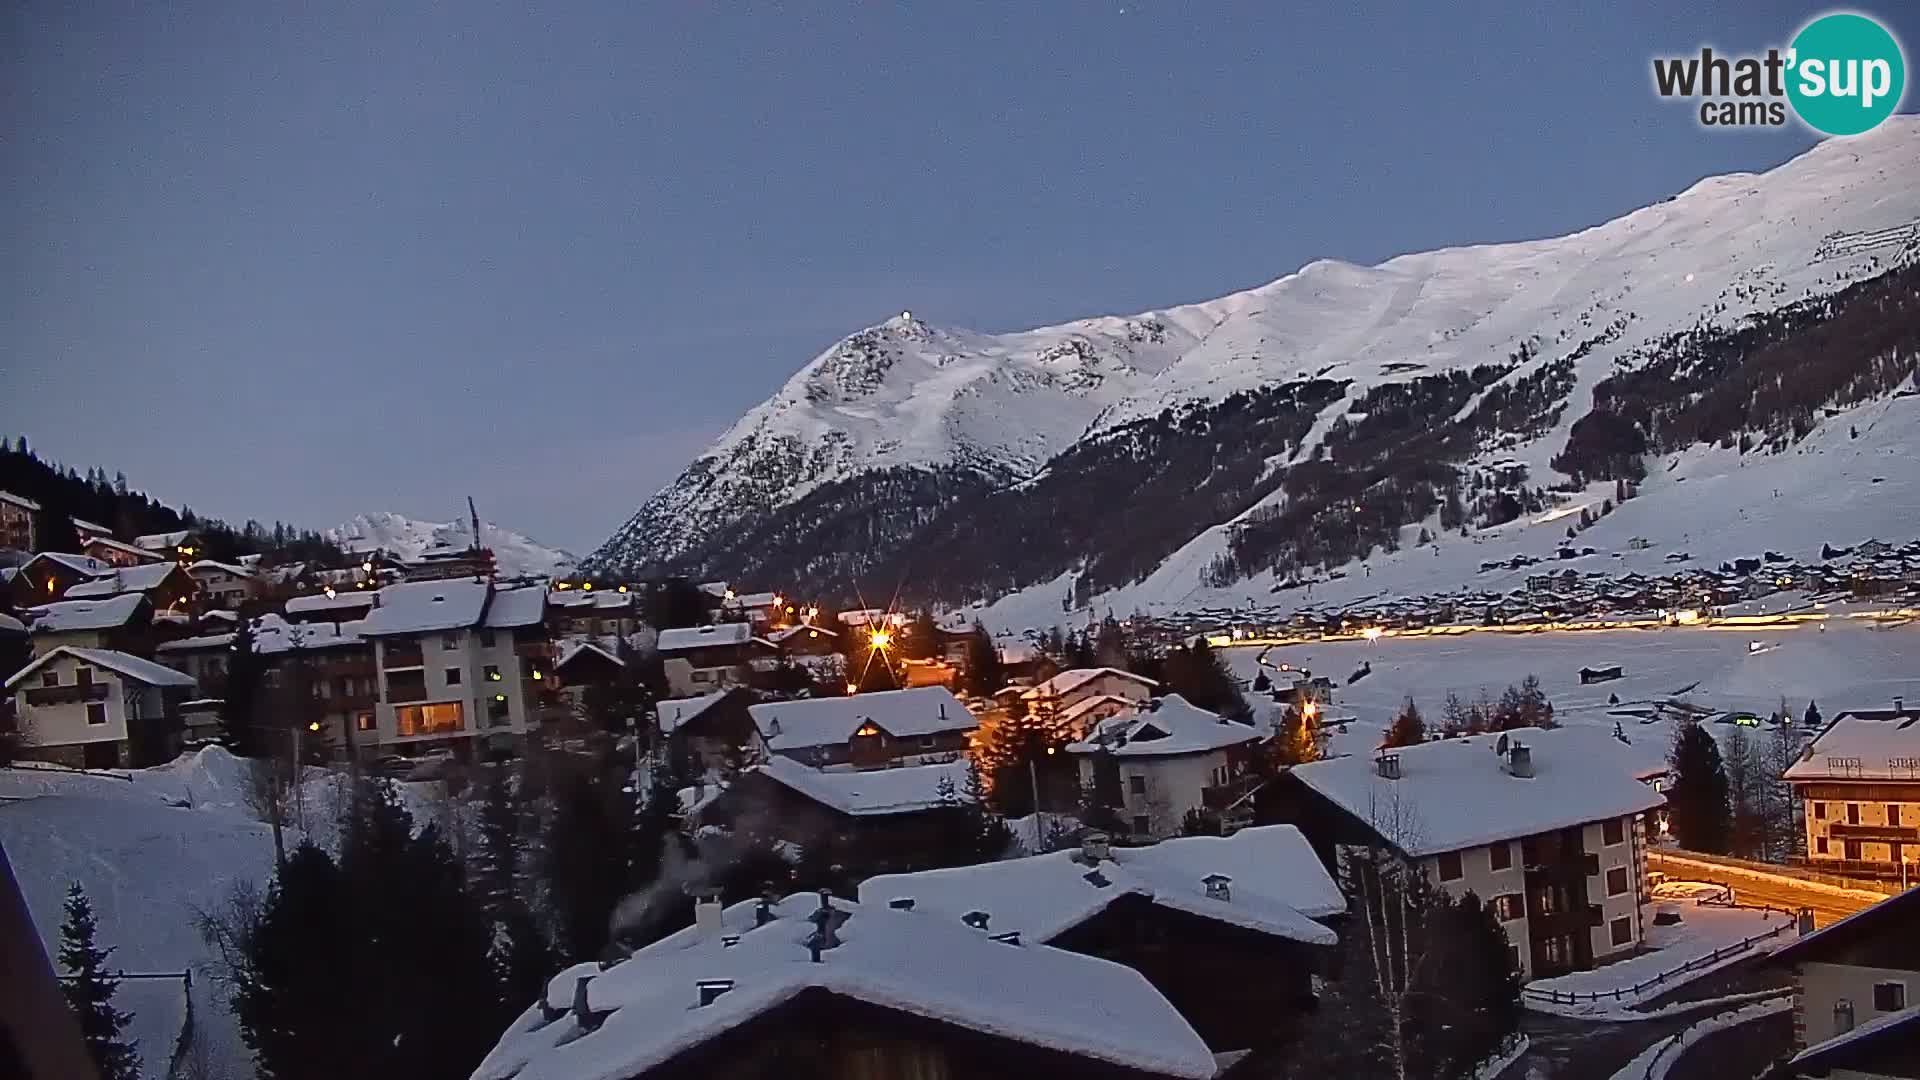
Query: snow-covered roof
(205, 565)
(865, 792)
(675, 712)
(85, 565)
(126, 579)
(273, 634)
(682, 638)
(574, 647)
(1884, 1039)
(779, 637)
(1864, 744)
(926, 710)
(1086, 705)
(1165, 727)
(1275, 884)
(419, 607)
(1068, 681)
(107, 541)
(133, 667)
(524, 606)
(162, 541)
(929, 967)
(1455, 793)
(20, 501)
(195, 644)
(573, 599)
(11, 625)
(65, 615)
(322, 602)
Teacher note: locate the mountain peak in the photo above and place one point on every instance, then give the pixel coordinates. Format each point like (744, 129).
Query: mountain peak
(408, 538)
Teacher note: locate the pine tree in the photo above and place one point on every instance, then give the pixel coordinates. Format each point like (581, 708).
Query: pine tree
(1813, 717)
(1408, 728)
(583, 876)
(1019, 749)
(89, 990)
(984, 672)
(295, 988)
(246, 672)
(1196, 673)
(1298, 740)
(522, 957)
(1745, 793)
(1697, 803)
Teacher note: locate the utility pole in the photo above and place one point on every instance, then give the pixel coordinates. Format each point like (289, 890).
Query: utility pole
(1033, 778)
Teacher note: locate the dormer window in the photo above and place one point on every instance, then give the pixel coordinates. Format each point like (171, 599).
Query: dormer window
(868, 729)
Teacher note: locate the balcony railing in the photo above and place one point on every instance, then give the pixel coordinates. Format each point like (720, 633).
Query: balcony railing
(401, 656)
(66, 695)
(1222, 796)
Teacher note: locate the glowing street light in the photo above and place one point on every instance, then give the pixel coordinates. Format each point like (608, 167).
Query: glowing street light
(1371, 633)
(880, 639)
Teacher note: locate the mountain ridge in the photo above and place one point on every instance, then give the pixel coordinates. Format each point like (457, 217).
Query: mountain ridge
(999, 408)
(515, 554)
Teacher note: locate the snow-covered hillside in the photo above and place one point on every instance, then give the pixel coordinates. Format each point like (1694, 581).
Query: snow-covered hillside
(408, 537)
(905, 393)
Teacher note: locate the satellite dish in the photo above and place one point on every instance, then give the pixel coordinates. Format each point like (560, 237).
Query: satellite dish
(1501, 746)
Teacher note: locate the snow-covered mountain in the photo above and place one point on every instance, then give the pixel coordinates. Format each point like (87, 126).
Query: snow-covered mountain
(408, 538)
(990, 411)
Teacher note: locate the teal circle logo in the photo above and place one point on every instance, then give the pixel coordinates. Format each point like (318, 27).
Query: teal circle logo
(1846, 74)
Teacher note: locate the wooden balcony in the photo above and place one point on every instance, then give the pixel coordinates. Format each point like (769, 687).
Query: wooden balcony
(402, 656)
(66, 695)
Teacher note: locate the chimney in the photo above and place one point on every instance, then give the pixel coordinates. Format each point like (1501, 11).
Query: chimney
(1899, 704)
(943, 712)
(773, 727)
(706, 912)
(1388, 766)
(1218, 887)
(1520, 761)
(1095, 846)
(901, 903)
(728, 941)
(763, 912)
(582, 1013)
(825, 919)
(976, 919)
(711, 989)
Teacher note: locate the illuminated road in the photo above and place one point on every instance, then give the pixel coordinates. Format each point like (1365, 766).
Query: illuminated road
(1781, 891)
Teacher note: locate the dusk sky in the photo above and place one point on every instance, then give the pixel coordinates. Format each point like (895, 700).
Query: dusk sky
(306, 261)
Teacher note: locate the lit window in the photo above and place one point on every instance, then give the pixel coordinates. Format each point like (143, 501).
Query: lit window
(445, 716)
(363, 721)
(493, 673)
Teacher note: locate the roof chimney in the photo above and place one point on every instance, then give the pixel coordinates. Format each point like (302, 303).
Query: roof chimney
(976, 919)
(1095, 846)
(583, 1014)
(1218, 886)
(706, 913)
(711, 989)
(1388, 766)
(1520, 761)
(1899, 704)
(825, 919)
(763, 912)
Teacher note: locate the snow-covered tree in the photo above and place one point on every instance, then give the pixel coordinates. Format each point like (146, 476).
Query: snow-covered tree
(1409, 728)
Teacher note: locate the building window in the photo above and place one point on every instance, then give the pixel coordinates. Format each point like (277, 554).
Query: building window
(1559, 950)
(49, 678)
(1500, 855)
(453, 676)
(1853, 813)
(927, 742)
(1889, 996)
(1612, 832)
(486, 639)
(1820, 845)
(1616, 881)
(363, 721)
(1509, 907)
(1893, 813)
(1140, 825)
(435, 719)
(493, 672)
(1842, 1016)
(1137, 784)
(1450, 866)
(449, 642)
(1819, 811)
(83, 676)
(1622, 930)
(96, 714)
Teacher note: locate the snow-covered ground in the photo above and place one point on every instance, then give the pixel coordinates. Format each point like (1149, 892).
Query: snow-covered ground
(1703, 929)
(1846, 666)
(153, 848)
(1653, 1062)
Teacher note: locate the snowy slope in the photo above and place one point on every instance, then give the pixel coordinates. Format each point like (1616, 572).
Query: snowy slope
(408, 537)
(905, 393)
